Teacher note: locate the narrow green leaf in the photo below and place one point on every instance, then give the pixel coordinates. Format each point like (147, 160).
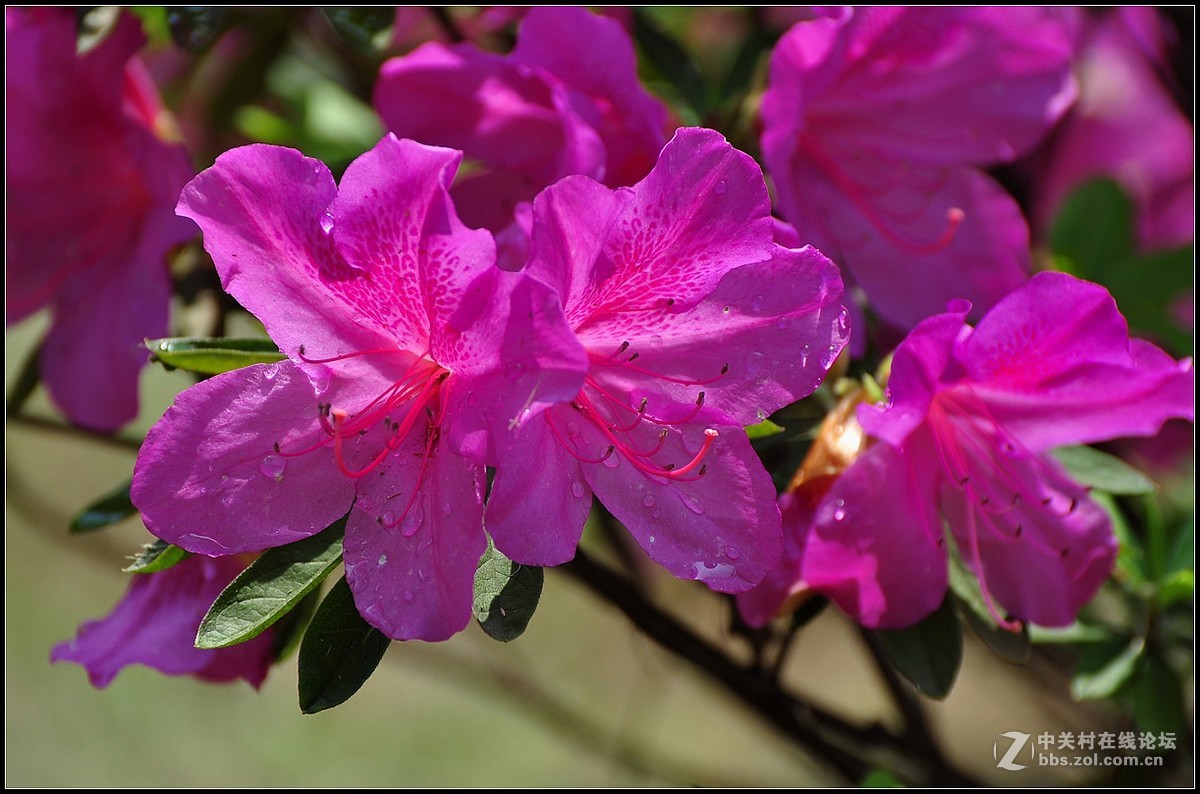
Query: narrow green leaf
(929, 653)
(764, 429)
(105, 511)
(339, 652)
(1105, 667)
(672, 62)
(155, 557)
(270, 587)
(1176, 588)
(1103, 472)
(25, 384)
(290, 628)
(1076, 633)
(1094, 229)
(506, 594)
(1158, 696)
(212, 356)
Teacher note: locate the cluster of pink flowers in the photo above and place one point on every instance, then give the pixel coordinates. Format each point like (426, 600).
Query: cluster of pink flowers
(599, 307)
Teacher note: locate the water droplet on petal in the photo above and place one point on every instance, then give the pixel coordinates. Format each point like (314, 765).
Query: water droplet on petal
(720, 187)
(655, 514)
(839, 510)
(732, 553)
(411, 522)
(327, 222)
(648, 500)
(514, 370)
(693, 504)
(756, 363)
(383, 559)
(577, 490)
(613, 460)
(759, 303)
(389, 518)
(272, 466)
(408, 596)
(718, 570)
(447, 508)
(782, 323)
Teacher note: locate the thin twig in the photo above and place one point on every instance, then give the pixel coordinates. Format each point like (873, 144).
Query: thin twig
(62, 428)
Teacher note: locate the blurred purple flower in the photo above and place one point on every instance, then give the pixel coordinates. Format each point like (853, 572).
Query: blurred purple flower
(695, 325)
(876, 124)
(1126, 126)
(401, 337)
(155, 625)
(565, 101)
(91, 185)
(964, 436)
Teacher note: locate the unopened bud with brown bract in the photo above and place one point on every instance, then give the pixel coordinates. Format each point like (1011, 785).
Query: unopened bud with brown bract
(839, 442)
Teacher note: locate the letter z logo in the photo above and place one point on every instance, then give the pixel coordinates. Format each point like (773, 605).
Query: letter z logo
(1018, 742)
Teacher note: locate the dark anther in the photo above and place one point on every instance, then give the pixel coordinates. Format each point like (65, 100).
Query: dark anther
(983, 500)
(624, 346)
(301, 349)
(1047, 500)
(669, 467)
(1074, 504)
(1017, 532)
(703, 470)
(633, 357)
(662, 434)
(963, 481)
(642, 407)
(276, 445)
(1016, 500)
(670, 301)
(724, 368)
(1063, 554)
(700, 398)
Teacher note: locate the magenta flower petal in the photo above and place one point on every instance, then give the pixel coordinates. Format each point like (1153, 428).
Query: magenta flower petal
(539, 500)
(759, 348)
(1042, 558)
(210, 480)
(763, 601)
(155, 625)
(262, 209)
(875, 547)
(411, 558)
(1054, 364)
(875, 125)
(970, 413)
(594, 57)
(89, 223)
(1126, 126)
(721, 527)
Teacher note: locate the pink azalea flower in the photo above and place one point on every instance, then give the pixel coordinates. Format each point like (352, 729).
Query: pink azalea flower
(1126, 126)
(400, 332)
(695, 324)
(155, 625)
(875, 126)
(971, 414)
(91, 185)
(565, 101)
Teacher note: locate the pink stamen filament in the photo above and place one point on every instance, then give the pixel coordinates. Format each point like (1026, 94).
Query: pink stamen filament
(430, 438)
(356, 354)
(572, 448)
(602, 361)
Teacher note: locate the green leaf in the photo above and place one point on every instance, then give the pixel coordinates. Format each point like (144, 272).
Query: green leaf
(506, 594)
(290, 628)
(672, 62)
(105, 511)
(929, 653)
(1076, 633)
(1177, 587)
(1103, 472)
(1158, 696)
(763, 429)
(155, 557)
(881, 778)
(270, 587)
(1094, 229)
(1131, 556)
(26, 382)
(339, 652)
(362, 27)
(212, 356)
(1105, 667)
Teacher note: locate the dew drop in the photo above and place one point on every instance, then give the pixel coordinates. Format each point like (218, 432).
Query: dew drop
(411, 522)
(843, 321)
(383, 559)
(651, 538)
(655, 514)
(321, 379)
(408, 596)
(648, 500)
(447, 508)
(758, 304)
(514, 370)
(577, 490)
(613, 460)
(720, 187)
(756, 363)
(706, 573)
(732, 553)
(272, 466)
(782, 323)
(839, 510)
(327, 222)
(693, 504)
(389, 518)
